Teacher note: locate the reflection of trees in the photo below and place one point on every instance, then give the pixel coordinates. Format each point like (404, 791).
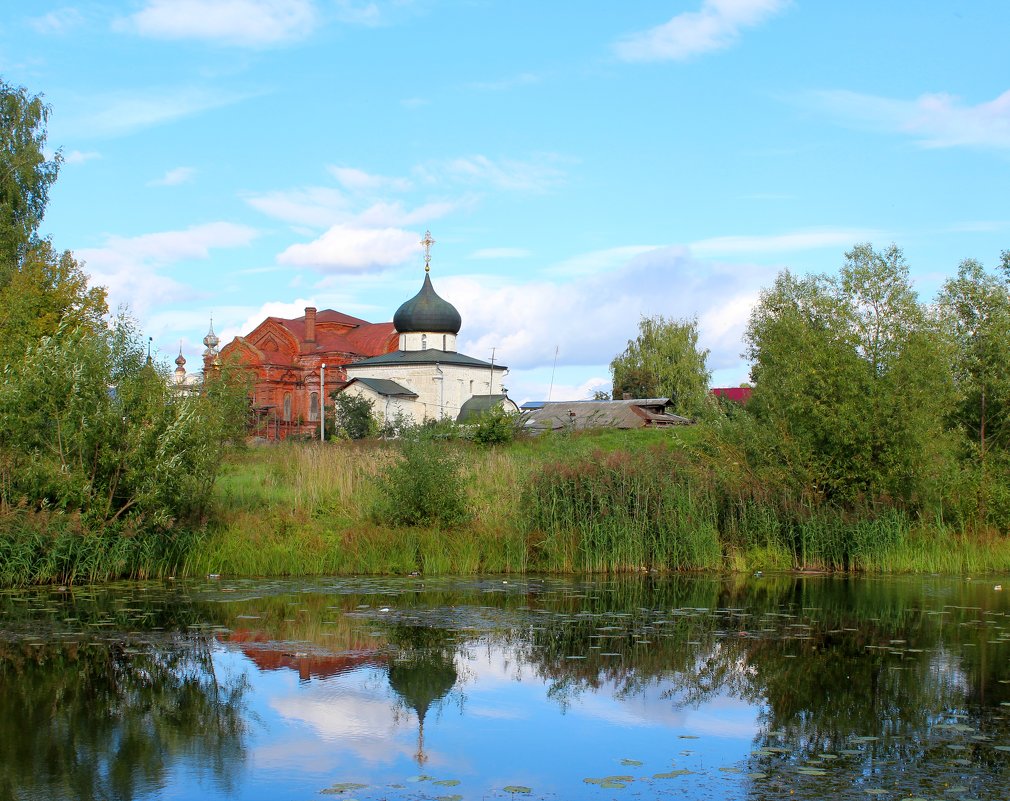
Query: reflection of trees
(108, 720)
(892, 672)
(917, 665)
(88, 711)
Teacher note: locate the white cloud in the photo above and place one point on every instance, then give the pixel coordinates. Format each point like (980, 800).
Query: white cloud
(507, 174)
(715, 26)
(523, 79)
(368, 13)
(351, 249)
(122, 113)
(933, 120)
(500, 253)
(286, 311)
(128, 266)
(174, 177)
(80, 157)
(314, 206)
(242, 23)
(357, 180)
(813, 239)
(590, 318)
(59, 21)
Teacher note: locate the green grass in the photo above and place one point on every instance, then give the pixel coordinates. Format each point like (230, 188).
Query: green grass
(607, 501)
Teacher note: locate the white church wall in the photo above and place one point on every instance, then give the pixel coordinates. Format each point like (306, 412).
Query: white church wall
(441, 389)
(428, 341)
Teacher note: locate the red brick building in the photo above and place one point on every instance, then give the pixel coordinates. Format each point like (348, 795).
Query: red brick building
(286, 355)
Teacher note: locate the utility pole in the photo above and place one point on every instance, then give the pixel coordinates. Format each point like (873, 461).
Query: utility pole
(322, 402)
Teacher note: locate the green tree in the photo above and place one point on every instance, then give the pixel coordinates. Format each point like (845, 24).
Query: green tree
(88, 425)
(40, 288)
(664, 361)
(354, 416)
(25, 173)
(47, 290)
(974, 309)
(853, 375)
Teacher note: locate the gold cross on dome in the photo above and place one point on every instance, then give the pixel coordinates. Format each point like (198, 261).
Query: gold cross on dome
(427, 242)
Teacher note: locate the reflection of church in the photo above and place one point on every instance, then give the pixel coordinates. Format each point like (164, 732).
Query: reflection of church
(408, 368)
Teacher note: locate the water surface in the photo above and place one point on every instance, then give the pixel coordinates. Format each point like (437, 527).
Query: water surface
(686, 687)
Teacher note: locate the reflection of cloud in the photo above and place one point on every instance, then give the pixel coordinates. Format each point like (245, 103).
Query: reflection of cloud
(715, 26)
(933, 120)
(245, 23)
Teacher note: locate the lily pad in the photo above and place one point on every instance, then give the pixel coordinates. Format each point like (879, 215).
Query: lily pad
(673, 774)
(448, 798)
(446, 782)
(516, 788)
(343, 787)
(633, 762)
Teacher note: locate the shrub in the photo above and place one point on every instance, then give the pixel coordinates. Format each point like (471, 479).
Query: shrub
(354, 416)
(495, 427)
(423, 488)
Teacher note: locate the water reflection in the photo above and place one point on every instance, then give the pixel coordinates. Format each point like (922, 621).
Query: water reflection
(779, 686)
(92, 711)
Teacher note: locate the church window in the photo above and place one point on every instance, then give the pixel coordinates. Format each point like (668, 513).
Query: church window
(314, 406)
(287, 407)
(424, 342)
(443, 341)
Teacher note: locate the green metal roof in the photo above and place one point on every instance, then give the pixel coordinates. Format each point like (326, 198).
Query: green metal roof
(430, 356)
(426, 311)
(385, 387)
(477, 405)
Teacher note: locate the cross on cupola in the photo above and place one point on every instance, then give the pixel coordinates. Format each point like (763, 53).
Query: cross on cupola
(427, 242)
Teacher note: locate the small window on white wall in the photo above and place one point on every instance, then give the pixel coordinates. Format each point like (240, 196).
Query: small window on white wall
(424, 342)
(443, 341)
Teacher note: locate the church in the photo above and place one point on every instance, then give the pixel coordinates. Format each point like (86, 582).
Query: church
(285, 357)
(409, 368)
(426, 378)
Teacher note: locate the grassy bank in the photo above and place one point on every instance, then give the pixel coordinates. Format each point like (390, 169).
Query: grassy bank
(681, 499)
(617, 501)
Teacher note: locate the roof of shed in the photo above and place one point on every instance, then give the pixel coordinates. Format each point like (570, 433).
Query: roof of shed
(384, 387)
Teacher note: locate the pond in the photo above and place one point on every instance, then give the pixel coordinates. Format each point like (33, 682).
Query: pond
(693, 687)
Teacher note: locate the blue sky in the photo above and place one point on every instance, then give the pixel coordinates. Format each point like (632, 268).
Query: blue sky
(578, 164)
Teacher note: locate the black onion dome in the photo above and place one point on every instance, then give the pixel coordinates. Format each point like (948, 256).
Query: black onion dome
(426, 311)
